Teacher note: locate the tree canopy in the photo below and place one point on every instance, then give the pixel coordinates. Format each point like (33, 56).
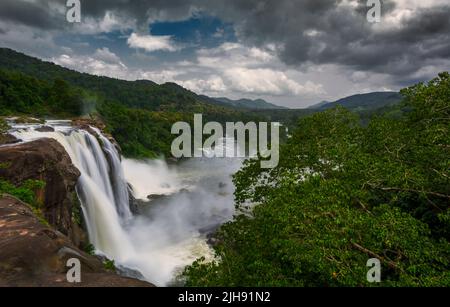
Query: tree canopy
(342, 194)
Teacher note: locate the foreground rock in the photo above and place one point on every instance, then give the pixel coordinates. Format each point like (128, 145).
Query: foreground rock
(32, 254)
(47, 160)
(7, 139)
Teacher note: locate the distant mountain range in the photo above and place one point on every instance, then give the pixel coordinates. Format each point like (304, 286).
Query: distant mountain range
(140, 93)
(319, 105)
(361, 102)
(170, 96)
(257, 104)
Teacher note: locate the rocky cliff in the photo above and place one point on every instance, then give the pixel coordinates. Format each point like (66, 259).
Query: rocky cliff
(34, 251)
(46, 160)
(32, 254)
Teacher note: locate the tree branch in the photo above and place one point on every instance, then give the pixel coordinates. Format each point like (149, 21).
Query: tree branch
(389, 263)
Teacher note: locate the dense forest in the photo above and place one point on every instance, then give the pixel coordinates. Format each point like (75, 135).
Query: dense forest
(343, 193)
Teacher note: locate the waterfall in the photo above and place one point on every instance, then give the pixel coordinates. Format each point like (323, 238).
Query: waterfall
(120, 187)
(101, 188)
(169, 233)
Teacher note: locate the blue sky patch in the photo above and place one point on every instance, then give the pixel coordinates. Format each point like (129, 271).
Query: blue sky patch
(202, 30)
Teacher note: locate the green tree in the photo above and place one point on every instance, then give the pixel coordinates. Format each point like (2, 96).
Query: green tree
(341, 194)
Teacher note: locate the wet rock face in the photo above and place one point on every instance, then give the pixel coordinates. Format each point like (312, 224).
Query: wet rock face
(32, 254)
(47, 160)
(7, 139)
(45, 129)
(87, 123)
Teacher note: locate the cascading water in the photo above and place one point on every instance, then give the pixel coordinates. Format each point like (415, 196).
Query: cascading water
(117, 177)
(169, 233)
(101, 187)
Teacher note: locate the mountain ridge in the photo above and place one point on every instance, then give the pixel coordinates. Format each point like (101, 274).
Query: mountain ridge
(148, 94)
(365, 101)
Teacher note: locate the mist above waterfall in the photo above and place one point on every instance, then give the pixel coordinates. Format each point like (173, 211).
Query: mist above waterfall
(172, 230)
(179, 204)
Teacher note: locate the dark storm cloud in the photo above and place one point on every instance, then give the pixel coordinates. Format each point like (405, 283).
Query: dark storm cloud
(141, 10)
(306, 32)
(426, 36)
(42, 14)
(325, 32)
(34, 14)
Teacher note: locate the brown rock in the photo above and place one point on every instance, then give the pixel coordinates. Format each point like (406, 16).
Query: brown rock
(45, 129)
(6, 139)
(47, 160)
(87, 123)
(32, 254)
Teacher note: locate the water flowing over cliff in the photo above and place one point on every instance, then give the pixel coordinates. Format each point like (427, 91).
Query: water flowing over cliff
(101, 186)
(178, 206)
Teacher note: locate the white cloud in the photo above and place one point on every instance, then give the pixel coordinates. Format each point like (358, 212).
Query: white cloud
(158, 76)
(102, 63)
(232, 54)
(110, 22)
(26, 39)
(106, 55)
(213, 85)
(404, 10)
(264, 81)
(152, 43)
(252, 71)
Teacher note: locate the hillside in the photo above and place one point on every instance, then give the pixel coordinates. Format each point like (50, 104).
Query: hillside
(257, 104)
(138, 114)
(362, 102)
(141, 93)
(318, 105)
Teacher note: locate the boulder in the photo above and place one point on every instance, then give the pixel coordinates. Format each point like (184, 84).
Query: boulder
(153, 197)
(46, 160)
(33, 254)
(7, 139)
(45, 129)
(133, 202)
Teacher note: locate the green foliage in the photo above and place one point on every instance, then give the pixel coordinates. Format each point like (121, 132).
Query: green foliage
(3, 126)
(344, 193)
(109, 265)
(23, 94)
(26, 193)
(140, 133)
(90, 249)
(77, 215)
(5, 165)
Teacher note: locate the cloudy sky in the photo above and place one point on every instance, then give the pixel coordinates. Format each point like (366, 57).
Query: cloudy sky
(290, 52)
